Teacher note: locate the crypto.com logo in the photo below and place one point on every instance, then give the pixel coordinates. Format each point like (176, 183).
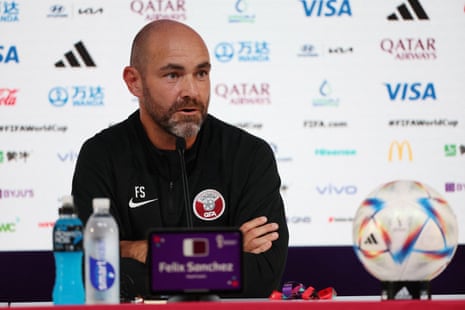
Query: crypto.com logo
(399, 147)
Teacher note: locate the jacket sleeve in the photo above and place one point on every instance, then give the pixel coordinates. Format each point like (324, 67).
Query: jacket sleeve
(260, 195)
(92, 178)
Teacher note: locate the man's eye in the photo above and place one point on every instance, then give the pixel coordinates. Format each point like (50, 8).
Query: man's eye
(202, 74)
(172, 75)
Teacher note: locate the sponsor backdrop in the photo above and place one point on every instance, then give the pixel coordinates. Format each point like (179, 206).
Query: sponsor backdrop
(349, 93)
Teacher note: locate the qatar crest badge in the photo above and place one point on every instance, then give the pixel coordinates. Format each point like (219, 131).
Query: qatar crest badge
(209, 205)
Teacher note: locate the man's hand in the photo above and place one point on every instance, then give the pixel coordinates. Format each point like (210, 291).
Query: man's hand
(134, 249)
(258, 235)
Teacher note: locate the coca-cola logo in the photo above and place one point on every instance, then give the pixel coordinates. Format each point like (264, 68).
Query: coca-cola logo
(8, 96)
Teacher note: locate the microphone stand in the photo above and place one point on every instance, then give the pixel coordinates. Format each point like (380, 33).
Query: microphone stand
(181, 147)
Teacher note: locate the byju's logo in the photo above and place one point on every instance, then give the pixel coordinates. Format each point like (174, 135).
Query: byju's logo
(9, 11)
(16, 193)
(8, 54)
(399, 147)
(416, 91)
(77, 95)
(409, 12)
(242, 15)
(326, 99)
(246, 51)
(14, 156)
(326, 8)
(71, 58)
(8, 96)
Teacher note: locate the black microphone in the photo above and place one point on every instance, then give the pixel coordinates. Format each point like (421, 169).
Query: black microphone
(181, 147)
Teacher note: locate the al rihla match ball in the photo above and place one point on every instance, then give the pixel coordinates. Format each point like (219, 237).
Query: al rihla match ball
(405, 231)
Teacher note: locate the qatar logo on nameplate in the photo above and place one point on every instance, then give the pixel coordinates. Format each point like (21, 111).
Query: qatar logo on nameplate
(209, 205)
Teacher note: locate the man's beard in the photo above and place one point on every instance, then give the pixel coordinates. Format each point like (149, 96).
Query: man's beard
(179, 125)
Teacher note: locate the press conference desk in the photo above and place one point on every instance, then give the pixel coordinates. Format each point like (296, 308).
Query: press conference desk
(344, 304)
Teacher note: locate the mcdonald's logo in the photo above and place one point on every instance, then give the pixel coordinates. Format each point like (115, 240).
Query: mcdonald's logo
(399, 147)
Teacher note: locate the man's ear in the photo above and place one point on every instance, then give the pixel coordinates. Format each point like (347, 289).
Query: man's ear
(133, 80)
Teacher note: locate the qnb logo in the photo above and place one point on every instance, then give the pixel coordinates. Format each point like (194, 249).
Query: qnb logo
(8, 96)
(409, 12)
(326, 8)
(411, 91)
(71, 58)
(402, 149)
(8, 54)
(332, 189)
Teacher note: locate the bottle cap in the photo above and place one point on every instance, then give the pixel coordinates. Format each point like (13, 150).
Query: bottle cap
(67, 205)
(101, 204)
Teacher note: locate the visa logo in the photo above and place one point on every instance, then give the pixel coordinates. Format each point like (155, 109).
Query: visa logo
(10, 55)
(326, 8)
(411, 91)
(331, 189)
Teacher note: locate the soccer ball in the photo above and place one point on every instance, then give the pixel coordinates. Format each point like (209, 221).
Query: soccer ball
(405, 231)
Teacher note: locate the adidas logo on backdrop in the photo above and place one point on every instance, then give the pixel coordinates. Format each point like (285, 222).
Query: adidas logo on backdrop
(78, 57)
(409, 11)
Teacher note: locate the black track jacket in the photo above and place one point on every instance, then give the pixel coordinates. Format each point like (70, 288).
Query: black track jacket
(144, 185)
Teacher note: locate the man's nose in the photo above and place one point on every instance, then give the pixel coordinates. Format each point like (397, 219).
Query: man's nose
(189, 87)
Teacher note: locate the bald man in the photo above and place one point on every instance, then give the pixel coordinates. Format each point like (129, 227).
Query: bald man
(135, 163)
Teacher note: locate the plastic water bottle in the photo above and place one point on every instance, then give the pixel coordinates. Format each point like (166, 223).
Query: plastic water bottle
(101, 247)
(67, 250)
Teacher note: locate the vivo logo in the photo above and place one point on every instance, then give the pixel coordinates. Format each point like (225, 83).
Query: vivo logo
(70, 156)
(411, 91)
(331, 189)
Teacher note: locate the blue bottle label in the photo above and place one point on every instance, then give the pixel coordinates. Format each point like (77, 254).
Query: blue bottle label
(102, 274)
(67, 237)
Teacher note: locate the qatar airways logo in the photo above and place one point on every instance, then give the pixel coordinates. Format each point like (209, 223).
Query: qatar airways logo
(410, 49)
(160, 9)
(244, 93)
